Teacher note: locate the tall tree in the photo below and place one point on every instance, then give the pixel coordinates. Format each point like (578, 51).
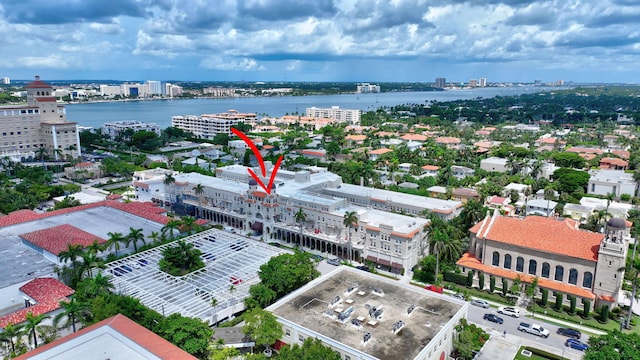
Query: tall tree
(32, 324)
(199, 191)
(350, 219)
(262, 326)
(73, 310)
(10, 333)
(98, 285)
(300, 217)
(114, 241)
(171, 226)
(71, 254)
(134, 236)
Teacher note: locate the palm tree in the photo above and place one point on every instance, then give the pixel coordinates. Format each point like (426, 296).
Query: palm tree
(115, 239)
(154, 237)
(188, 224)
(548, 194)
(73, 311)
(97, 285)
(134, 236)
(95, 247)
(89, 261)
(31, 326)
(72, 253)
(199, 191)
(168, 180)
(350, 219)
(41, 154)
(11, 332)
(300, 217)
(57, 154)
(444, 244)
(171, 226)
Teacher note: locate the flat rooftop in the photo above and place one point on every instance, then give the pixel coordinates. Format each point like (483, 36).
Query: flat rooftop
(357, 296)
(232, 263)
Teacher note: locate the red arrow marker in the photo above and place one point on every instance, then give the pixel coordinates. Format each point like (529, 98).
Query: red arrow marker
(258, 156)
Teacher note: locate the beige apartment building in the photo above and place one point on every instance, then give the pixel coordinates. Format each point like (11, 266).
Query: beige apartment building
(207, 126)
(41, 123)
(565, 259)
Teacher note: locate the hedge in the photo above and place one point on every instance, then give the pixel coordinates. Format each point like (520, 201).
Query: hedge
(456, 278)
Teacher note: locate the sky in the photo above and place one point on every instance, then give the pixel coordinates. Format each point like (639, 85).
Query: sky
(321, 40)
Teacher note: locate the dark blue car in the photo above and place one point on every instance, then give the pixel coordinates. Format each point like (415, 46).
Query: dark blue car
(576, 344)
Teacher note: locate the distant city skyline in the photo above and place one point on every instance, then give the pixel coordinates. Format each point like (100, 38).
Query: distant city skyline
(322, 40)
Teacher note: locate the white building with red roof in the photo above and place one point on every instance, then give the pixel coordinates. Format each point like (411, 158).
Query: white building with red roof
(50, 242)
(115, 338)
(565, 259)
(41, 123)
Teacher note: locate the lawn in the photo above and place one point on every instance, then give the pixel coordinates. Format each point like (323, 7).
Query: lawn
(533, 356)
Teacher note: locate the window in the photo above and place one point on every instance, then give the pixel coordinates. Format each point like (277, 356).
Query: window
(559, 273)
(573, 276)
(495, 261)
(520, 264)
(545, 270)
(533, 267)
(287, 332)
(507, 261)
(300, 338)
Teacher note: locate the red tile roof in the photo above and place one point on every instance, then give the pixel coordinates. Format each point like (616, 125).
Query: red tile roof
(47, 292)
(146, 210)
(448, 140)
(129, 329)
(380, 151)
(470, 262)
(554, 236)
(56, 239)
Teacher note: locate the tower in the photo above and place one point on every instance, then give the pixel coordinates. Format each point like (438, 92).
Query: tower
(611, 261)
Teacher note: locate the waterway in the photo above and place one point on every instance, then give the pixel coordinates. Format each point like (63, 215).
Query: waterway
(160, 111)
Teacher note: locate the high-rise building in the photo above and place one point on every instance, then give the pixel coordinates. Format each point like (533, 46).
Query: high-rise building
(441, 82)
(342, 115)
(155, 87)
(473, 83)
(6, 80)
(365, 88)
(207, 126)
(40, 124)
(483, 82)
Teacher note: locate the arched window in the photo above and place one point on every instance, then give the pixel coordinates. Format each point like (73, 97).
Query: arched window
(545, 270)
(507, 261)
(519, 264)
(573, 276)
(495, 259)
(559, 273)
(587, 280)
(533, 267)
(480, 253)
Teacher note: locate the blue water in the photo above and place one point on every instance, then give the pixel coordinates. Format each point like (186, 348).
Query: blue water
(161, 111)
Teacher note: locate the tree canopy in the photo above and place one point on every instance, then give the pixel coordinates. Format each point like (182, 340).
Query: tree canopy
(262, 326)
(311, 349)
(613, 345)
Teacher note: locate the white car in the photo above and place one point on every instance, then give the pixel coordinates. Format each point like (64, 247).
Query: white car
(509, 311)
(481, 303)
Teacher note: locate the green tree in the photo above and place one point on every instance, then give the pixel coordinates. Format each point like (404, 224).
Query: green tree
(260, 296)
(171, 226)
(470, 278)
(114, 241)
(572, 304)
(311, 349)
(559, 299)
(11, 334)
(262, 326)
(73, 310)
(492, 283)
(181, 259)
(134, 236)
(350, 219)
(505, 287)
(444, 245)
(481, 281)
(32, 324)
(67, 202)
(586, 308)
(198, 190)
(287, 272)
(469, 338)
(191, 335)
(545, 297)
(91, 287)
(613, 345)
(604, 314)
(300, 217)
(73, 252)
(570, 180)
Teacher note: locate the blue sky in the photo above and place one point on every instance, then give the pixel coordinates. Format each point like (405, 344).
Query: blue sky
(322, 40)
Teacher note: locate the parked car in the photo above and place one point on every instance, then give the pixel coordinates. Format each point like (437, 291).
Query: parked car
(568, 332)
(576, 344)
(493, 318)
(458, 296)
(335, 261)
(481, 303)
(434, 288)
(509, 311)
(363, 268)
(534, 329)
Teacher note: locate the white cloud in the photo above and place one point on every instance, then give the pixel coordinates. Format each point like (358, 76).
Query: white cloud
(229, 64)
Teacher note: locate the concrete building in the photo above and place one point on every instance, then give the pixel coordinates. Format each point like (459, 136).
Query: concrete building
(207, 126)
(349, 116)
(40, 124)
(441, 82)
(565, 259)
(541, 207)
(617, 182)
(461, 172)
(483, 82)
(366, 88)
(589, 206)
(364, 316)
(6, 80)
(116, 128)
(494, 164)
(383, 235)
(149, 184)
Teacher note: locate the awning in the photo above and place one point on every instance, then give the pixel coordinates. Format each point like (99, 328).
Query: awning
(256, 226)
